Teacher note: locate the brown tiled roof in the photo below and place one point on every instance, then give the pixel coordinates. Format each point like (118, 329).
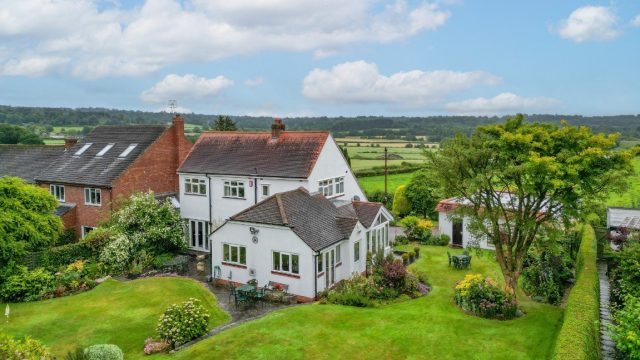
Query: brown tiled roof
(363, 210)
(27, 161)
(293, 154)
(313, 218)
(89, 169)
(64, 208)
(448, 205)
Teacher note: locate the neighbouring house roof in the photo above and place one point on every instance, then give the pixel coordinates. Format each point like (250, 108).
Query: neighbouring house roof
(292, 154)
(90, 168)
(27, 161)
(64, 208)
(623, 217)
(312, 217)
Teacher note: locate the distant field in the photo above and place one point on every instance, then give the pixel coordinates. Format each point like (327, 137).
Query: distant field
(376, 183)
(58, 129)
(626, 144)
(191, 127)
(632, 197)
(368, 164)
(53, 141)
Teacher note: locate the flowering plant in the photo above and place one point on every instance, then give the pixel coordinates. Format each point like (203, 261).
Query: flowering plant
(183, 322)
(481, 296)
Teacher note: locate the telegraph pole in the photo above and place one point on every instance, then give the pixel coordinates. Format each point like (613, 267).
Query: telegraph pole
(386, 171)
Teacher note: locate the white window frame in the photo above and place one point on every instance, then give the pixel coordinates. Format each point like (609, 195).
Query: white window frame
(105, 149)
(280, 267)
(339, 185)
(195, 186)
(230, 186)
(356, 251)
(91, 199)
(263, 187)
(198, 230)
(56, 190)
(239, 250)
(338, 256)
(325, 187)
(84, 231)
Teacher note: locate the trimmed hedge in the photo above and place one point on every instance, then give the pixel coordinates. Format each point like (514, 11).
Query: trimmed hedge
(578, 338)
(54, 257)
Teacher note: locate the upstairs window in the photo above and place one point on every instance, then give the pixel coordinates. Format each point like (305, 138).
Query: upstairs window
(195, 186)
(83, 148)
(105, 149)
(265, 190)
(127, 151)
(234, 189)
(339, 181)
(92, 196)
(57, 191)
(325, 187)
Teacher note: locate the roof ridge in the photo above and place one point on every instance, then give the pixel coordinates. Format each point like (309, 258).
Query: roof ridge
(266, 132)
(283, 213)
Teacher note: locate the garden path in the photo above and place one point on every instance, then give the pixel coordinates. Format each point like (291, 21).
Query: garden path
(607, 346)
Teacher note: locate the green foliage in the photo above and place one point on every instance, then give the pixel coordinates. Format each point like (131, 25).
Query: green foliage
(544, 172)
(547, 274)
(482, 297)
(423, 194)
(437, 240)
(25, 349)
(103, 352)
(25, 285)
(401, 205)
(345, 153)
(416, 229)
(626, 332)
(224, 123)
(378, 196)
(12, 134)
(28, 222)
(183, 322)
(625, 274)
(578, 337)
(54, 257)
(141, 226)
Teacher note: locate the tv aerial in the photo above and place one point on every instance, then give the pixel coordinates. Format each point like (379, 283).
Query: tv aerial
(172, 105)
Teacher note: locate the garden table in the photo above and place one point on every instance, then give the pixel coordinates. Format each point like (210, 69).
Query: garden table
(461, 260)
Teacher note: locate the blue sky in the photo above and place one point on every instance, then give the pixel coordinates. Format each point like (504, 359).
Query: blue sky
(331, 57)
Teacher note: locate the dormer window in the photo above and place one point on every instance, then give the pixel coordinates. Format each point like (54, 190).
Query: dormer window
(105, 149)
(127, 151)
(83, 148)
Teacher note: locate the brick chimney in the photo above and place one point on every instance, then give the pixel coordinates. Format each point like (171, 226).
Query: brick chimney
(69, 143)
(178, 124)
(276, 128)
(182, 145)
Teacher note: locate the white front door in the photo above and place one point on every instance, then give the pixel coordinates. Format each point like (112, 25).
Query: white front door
(330, 268)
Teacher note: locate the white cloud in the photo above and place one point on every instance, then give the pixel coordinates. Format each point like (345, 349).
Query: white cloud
(590, 23)
(256, 81)
(361, 82)
(188, 87)
(501, 103)
(103, 40)
(32, 66)
(636, 21)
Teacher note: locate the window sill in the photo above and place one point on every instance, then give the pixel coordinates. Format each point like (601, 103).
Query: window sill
(274, 272)
(335, 196)
(96, 205)
(234, 198)
(234, 265)
(194, 194)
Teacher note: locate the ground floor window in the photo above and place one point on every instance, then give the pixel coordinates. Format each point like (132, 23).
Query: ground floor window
(356, 251)
(234, 254)
(86, 230)
(198, 231)
(286, 262)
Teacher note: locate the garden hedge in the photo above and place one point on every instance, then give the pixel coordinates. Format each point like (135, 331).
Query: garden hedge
(57, 256)
(578, 337)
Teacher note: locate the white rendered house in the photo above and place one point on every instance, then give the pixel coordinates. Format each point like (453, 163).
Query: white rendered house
(456, 226)
(228, 171)
(300, 239)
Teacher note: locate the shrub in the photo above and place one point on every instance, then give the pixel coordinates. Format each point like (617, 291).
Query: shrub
(625, 274)
(578, 336)
(416, 250)
(626, 332)
(25, 285)
(405, 259)
(183, 322)
(103, 352)
(438, 240)
(97, 239)
(415, 228)
(357, 291)
(118, 253)
(444, 239)
(412, 256)
(482, 297)
(57, 256)
(394, 274)
(28, 348)
(401, 240)
(546, 275)
(401, 204)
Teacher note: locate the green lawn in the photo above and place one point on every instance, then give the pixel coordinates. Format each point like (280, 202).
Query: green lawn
(631, 198)
(53, 141)
(376, 183)
(121, 313)
(426, 328)
(360, 164)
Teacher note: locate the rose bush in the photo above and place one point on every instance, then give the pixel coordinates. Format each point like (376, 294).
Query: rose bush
(481, 296)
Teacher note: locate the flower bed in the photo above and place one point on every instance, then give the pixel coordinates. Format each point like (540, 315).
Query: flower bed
(481, 296)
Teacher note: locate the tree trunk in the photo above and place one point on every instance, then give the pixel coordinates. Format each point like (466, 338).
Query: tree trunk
(511, 283)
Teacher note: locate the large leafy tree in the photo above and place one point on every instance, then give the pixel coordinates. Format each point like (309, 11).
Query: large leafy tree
(519, 179)
(422, 192)
(12, 134)
(27, 221)
(224, 123)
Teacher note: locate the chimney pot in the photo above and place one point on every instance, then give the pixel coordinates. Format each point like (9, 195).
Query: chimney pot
(276, 128)
(69, 143)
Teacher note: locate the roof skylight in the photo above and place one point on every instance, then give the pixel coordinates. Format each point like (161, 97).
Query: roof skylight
(105, 149)
(83, 148)
(128, 150)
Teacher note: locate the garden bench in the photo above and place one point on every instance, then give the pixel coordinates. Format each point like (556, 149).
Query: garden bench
(274, 285)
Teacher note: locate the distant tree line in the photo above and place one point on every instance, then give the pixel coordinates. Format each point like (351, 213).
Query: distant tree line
(434, 128)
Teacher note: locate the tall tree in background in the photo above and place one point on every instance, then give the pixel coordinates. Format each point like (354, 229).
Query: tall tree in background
(423, 194)
(224, 123)
(12, 134)
(520, 178)
(27, 220)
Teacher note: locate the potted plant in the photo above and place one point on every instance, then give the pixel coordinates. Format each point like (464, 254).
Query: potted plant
(405, 259)
(412, 256)
(416, 250)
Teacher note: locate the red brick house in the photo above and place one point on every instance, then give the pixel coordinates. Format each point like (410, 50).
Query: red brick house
(111, 163)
